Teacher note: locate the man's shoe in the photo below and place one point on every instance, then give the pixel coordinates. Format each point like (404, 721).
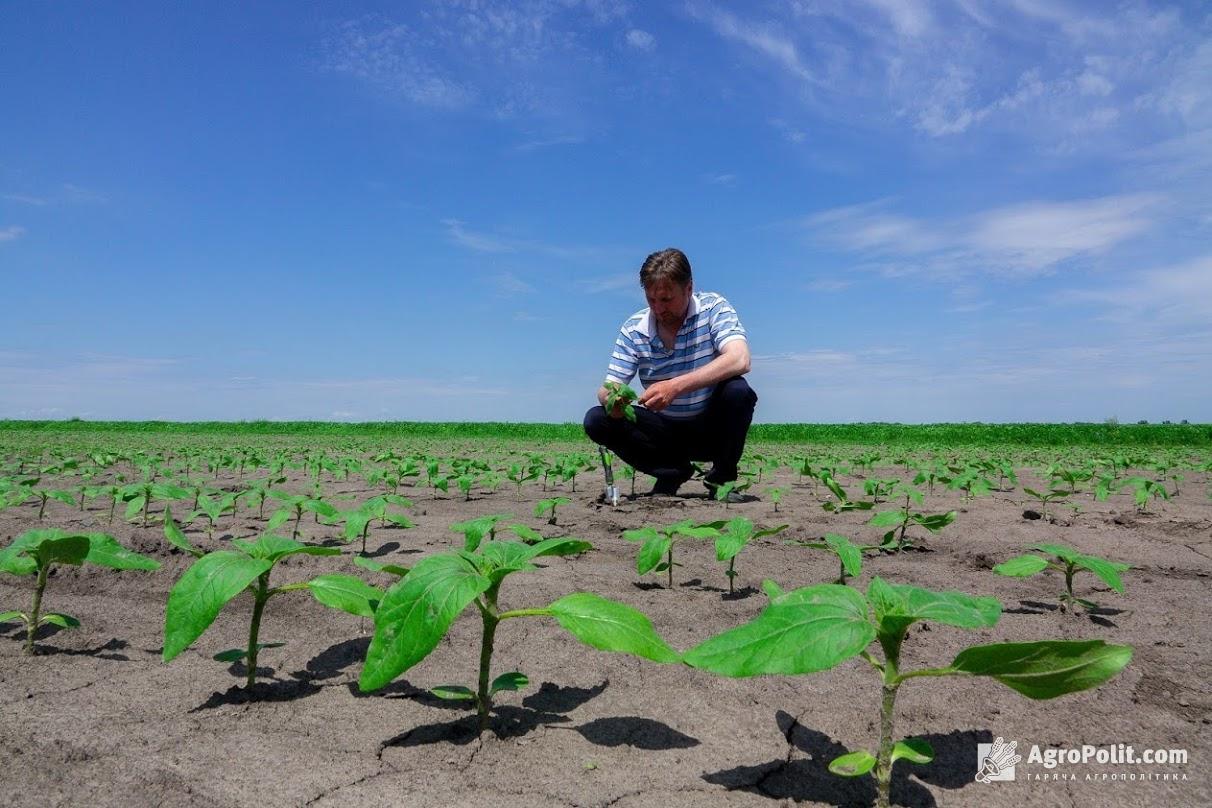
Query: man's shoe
(668, 486)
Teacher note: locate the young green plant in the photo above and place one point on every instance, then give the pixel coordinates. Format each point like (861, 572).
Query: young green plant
(656, 552)
(819, 627)
(35, 552)
(737, 533)
(418, 611)
(1068, 561)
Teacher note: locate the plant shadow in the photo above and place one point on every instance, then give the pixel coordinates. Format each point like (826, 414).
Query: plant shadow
(740, 594)
(809, 779)
(100, 652)
(636, 732)
(333, 660)
(277, 690)
(543, 708)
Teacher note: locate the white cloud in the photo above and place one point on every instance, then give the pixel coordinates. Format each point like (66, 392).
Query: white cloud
(479, 242)
(767, 39)
(25, 199)
(721, 179)
(613, 283)
(640, 39)
(11, 233)
(1176, 295)
(1018, 240)
(510, 284)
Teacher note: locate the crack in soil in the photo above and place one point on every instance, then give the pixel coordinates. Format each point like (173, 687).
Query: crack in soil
(365, 778)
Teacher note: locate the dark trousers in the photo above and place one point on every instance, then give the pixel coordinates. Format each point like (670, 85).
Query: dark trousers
(663, 447)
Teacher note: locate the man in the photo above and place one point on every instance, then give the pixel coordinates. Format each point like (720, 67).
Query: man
(691, 354)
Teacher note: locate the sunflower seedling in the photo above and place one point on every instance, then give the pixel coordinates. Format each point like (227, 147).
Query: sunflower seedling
(35, 552)
(217, 578)
(900, 520)
(1054, 494)
(818, 627)
(621, 395)
(1068, 561)
(735, 535)
(418, 610)
(546, 505)
(849, 554)
(656, 553)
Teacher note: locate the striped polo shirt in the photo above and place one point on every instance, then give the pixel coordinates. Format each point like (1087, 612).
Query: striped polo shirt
(710, 324)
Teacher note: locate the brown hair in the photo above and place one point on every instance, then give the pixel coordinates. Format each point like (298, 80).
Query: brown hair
(666, 265)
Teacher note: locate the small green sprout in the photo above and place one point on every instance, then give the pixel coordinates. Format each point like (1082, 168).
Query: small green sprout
(545, 505)
(1068, 561)
(1057, 494)
(849, 554)
(621, 395)
(658, 543)
(736, 534)
(35, 552)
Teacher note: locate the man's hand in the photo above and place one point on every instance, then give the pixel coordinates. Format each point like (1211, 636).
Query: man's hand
(659, 395)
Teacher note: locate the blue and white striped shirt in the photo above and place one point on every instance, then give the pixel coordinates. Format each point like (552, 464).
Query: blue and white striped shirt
(711, 323)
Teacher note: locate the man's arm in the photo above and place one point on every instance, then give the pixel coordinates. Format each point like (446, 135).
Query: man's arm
(732, 361)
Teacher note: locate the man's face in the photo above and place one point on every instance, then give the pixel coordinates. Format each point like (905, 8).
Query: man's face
(669, 302)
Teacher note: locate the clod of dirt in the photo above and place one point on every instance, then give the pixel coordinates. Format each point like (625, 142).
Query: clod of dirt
(1030, 514)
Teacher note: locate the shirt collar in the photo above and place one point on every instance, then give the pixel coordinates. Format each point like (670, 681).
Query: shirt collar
(648, 328)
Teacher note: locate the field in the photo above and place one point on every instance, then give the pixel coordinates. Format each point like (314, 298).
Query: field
(96, 717)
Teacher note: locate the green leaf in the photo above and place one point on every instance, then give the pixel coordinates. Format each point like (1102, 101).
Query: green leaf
(888, 518)
(896, 606)
(57, 619)
(1058, 550)
(176, 536)
(802, 631)
(377, 566)
(1045, 670)
(201, 593)
(526, 533)
(935, 522)
(772, 590)
(104, 551)
(1108, 571)
(134, 507)
(275, 548)
(515, 680)
(1022, 566)
(416, 613)
(853, 764)
(7, 616)
(652, 554)
(914, 750)
(347, 593)
(278, 518)
(67, 549)
(849, 553)
(453, 692)
(610, 626)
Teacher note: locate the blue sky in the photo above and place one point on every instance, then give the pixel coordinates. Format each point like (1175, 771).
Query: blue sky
(959, 210)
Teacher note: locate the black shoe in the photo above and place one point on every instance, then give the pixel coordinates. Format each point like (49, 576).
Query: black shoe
(668, 486)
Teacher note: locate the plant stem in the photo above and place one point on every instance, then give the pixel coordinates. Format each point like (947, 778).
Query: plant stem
(669, 560)
(731, 573)
(32, 627)
(261, 596)
(488, 612)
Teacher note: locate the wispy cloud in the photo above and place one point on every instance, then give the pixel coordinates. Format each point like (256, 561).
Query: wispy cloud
(548, 142)
(478, 241)
(1176, 295)
(508, 283)
(767, 39)
(11, 233)
(720, 179)
(641, 39)
(1019, 240)
(25, 199)
(612, 283)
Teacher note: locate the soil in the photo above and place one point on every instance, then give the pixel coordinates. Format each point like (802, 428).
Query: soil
(95, 718)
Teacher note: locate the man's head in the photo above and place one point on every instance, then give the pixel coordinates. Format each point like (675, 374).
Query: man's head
(668, 286)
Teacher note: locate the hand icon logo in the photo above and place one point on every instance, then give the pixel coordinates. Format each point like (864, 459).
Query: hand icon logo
(997, 760)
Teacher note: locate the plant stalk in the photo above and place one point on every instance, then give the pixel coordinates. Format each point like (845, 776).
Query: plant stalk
(261, 597)
(488, 612)
(32, 627)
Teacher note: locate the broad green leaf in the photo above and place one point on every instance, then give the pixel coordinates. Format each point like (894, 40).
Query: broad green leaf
(849, 553)
(896, 606)
(14, 558)
(888, 518)
(104, 551)
(202, 591)
(565, 546)
(526, 533)
(641, 534)
(278, 518)
(652, 554)
(914, 750)
(853, 764)
(610, 626)
(1058, 550)
(377, 566)
(57, 619)
(69, 549)
(275, 548)
(415, 614)
(727, 545)
(134, 507)
(935, 522)
(499, 558)
(1022, 566)
(7, 616)
(355, 523)
(515, 680)
(772, 590)
(474, 530)
(453, 692)
(1108, 571)
(802, 631)
(176, 536)
(1045, 670)
(347, 593)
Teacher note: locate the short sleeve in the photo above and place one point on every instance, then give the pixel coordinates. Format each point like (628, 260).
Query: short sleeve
(725, 325)
(623, 361)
